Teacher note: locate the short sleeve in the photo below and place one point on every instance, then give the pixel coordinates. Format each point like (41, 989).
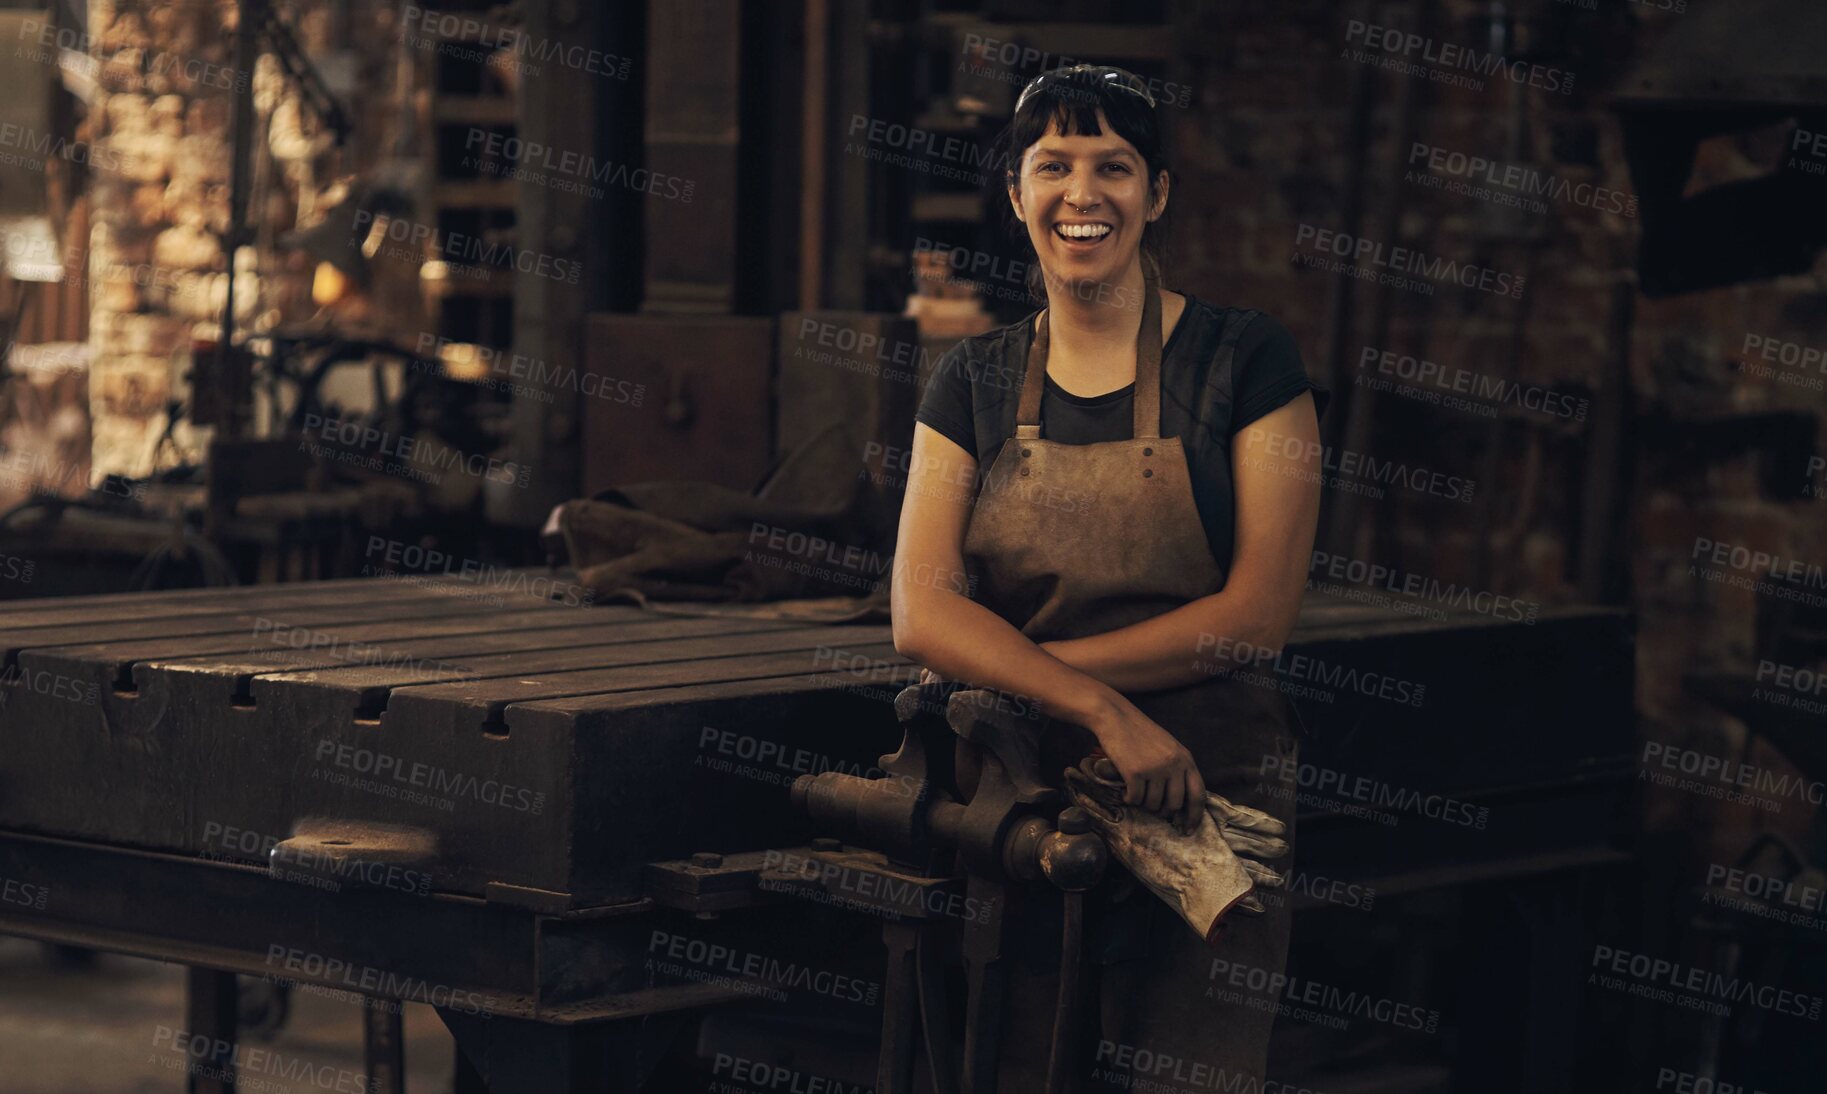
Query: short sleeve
(946, 406)
(1268, 373)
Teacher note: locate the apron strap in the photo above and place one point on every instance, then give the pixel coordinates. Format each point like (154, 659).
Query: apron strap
(1033, 382)
(1148, 367)
(1148, 357)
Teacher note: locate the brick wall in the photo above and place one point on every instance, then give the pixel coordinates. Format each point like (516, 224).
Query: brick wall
(157, 267)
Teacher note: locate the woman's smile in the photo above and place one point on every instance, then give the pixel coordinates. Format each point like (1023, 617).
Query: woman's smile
(1083, 237)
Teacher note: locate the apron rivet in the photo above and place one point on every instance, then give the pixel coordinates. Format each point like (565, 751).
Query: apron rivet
(1148, 452)
(1147, 474)
(1026, 452)
(1024, 471)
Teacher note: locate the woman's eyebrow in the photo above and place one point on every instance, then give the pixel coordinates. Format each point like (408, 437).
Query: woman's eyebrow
(1096, 153)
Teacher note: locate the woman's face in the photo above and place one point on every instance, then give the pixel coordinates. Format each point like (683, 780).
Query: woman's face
(1085, 202)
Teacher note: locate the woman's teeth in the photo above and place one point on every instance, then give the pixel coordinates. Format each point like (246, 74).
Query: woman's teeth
(1082, 231)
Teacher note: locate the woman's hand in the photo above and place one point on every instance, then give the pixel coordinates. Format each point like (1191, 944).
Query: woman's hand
(1159, 774)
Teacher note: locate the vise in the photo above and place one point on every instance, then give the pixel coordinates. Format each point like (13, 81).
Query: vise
(918, 838)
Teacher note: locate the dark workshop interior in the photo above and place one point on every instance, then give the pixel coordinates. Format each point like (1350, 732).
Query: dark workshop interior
(462, 534)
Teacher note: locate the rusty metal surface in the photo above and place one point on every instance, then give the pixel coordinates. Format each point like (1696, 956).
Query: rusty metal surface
(550, 752)
(462, 800)
(154, 723)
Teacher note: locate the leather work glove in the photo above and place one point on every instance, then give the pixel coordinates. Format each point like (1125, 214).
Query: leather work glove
(1202, 875)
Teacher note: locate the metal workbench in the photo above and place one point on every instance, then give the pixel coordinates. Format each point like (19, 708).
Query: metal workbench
(449, 791)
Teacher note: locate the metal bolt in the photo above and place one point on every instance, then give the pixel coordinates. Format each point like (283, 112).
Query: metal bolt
(707, 860)
(1074, 821)
(826, 843)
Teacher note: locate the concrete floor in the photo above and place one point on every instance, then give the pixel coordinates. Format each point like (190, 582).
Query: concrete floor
(109, 1027)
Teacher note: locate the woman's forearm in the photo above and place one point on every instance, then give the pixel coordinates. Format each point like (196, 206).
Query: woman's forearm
(962, 640)
(1246, 622)
(1183, 646)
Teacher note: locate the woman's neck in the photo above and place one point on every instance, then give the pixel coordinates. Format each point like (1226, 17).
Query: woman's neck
(1091, 331)
(1092, 317)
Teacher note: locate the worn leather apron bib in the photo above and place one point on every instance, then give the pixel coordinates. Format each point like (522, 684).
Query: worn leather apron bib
(1071, 540)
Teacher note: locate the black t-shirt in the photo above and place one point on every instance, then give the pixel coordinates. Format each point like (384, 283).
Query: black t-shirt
(1207, 395)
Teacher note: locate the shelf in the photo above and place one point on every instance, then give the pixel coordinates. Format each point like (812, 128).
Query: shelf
(1083, 41)
(477, 109)
(497, 284)
(948, 208)
(474, 193)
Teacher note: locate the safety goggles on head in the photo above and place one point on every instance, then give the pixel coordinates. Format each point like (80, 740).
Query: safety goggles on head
(1080, 75)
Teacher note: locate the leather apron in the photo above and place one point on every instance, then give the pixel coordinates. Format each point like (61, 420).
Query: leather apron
(1068, 540)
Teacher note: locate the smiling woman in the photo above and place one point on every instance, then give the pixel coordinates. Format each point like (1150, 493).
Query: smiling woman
(1106, 118)
(1150, 500)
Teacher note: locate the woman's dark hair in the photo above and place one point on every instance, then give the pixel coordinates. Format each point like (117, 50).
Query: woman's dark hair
(1072, 98)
